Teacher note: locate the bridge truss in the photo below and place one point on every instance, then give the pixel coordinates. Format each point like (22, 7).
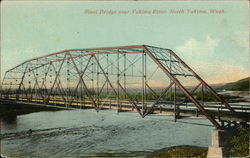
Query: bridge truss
(123, 78)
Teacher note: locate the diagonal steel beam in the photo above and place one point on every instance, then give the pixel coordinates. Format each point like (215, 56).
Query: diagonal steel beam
(196, 103)
(36, 83)
(155, 95)
(100, 91)
(44, 80)
(57, 74)
(203, 82)
(24, 90)
(130, 100)
(86, 67)
(162, 94)
(98, 63)
(84, 84)
(21, 82)
(59, 84)
(193, 90)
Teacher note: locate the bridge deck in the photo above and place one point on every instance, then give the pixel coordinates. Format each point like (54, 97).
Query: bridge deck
(242, 114)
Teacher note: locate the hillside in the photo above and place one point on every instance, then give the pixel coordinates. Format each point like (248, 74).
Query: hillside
(241, 85)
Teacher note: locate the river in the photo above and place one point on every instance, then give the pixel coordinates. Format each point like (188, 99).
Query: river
(78, 133)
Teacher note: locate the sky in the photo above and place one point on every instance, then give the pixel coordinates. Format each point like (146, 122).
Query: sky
(216, 46)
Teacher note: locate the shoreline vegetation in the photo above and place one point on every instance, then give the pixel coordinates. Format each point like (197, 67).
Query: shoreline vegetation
(237, 141)
(180, 151)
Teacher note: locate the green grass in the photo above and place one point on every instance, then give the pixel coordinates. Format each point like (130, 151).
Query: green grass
(184, 151)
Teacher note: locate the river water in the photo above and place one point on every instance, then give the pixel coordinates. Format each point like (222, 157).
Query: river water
(78, 133)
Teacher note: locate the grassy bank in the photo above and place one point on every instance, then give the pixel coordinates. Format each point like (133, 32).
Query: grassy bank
(8, 109)
(181, 151)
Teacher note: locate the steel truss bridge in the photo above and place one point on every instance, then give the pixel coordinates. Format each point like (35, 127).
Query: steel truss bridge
(143, 78)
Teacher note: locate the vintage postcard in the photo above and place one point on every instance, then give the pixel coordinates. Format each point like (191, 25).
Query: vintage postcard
(124, 79)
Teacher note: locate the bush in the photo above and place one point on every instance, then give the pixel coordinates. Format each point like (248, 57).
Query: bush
(239, 142)
(182, 151)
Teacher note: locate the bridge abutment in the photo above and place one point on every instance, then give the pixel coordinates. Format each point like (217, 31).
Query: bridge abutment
(217, 148)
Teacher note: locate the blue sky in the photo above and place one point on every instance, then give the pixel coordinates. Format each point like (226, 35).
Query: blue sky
(215, 45)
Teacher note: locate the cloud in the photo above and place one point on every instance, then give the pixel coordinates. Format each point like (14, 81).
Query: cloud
(197, 52)
(199, 48)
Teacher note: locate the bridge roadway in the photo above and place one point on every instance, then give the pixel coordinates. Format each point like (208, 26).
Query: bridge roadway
(241, 114)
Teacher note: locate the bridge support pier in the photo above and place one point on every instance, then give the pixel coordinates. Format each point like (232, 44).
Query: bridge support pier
(217, 148)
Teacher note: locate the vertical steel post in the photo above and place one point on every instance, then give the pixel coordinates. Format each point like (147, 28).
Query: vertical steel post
(68, 82)
(174, 102)
(1, 84)
(202, 95)
(170, 63)
(44, 78)
(107, 73)
(124, 73)
(145, 78)
(81, 96)
(118, 82)
(143, 83)
(92, 79)
(97, 83)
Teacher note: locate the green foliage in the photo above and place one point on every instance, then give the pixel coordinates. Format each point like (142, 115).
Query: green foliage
(178, 152)
(239, 142)
(207, 96)
(180, 96)
(241, 85)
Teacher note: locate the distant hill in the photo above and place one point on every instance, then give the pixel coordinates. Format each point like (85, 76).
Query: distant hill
(241, 85)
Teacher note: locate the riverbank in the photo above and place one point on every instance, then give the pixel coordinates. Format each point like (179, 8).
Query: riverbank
(181, 151)
(9, 108)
